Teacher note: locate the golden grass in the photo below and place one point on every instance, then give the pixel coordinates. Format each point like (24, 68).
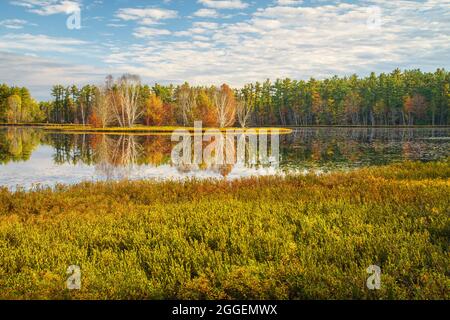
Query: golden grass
(143, 129)
(305, 237)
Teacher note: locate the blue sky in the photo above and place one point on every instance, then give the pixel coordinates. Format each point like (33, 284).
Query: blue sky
(216, 41)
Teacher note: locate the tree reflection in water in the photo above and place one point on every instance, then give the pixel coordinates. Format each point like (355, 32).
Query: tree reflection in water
(116, 156)
(17, 144)
(119, 156)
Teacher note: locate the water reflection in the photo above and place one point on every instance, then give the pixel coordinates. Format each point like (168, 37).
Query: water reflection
(18, 145)
(29, 156)
(334, 148)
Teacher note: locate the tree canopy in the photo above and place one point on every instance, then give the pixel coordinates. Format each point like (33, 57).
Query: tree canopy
(407, 97)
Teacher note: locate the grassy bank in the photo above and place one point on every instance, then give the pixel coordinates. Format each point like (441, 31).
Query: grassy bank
(270, 238)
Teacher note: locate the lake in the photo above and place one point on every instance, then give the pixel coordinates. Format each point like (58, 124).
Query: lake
(31, 156)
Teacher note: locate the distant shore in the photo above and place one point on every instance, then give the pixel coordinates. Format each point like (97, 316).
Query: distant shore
(135, 129)
(142, 128)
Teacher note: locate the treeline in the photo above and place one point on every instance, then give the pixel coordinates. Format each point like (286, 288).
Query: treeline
(126, 102)
(398, 98)
(17, 106)
(411, 97)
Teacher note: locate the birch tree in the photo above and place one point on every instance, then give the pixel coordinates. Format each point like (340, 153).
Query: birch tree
(124, 99)
(225, 105)
(102, 106)
(129, 88)
(244, 111)
(187, 101)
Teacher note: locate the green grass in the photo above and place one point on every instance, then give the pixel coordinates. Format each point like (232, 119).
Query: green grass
(307, 237)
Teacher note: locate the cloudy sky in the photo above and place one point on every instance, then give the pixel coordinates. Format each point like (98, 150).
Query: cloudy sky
(216, 41)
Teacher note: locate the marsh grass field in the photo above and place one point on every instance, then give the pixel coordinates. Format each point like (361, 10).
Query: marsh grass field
(298, 237)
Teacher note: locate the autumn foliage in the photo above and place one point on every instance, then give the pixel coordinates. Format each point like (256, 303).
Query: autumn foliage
(409, 97)
(154, 111)
(205, 109)
(95, 121)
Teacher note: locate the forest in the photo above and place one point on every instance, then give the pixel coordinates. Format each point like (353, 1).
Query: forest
(409, 97)
(17, 106)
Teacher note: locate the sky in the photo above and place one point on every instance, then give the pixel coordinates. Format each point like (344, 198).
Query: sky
(210, 42)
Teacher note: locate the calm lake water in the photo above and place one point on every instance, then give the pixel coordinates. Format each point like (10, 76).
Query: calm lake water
(30, 157)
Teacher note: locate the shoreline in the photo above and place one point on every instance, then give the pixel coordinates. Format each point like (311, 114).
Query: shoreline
(138, 129)
(171, 128)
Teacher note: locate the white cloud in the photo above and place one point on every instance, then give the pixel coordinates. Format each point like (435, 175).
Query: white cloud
(281, 40)
(13, 23)
(147, 16)
(40, 43)
(198, 28)
(144, 32)
(200, 38)
(49, 7)
(39, 74)
(206, 13)
(116, 25)
(206, 25)
(299, 42)
(224, 4)
(289, 2)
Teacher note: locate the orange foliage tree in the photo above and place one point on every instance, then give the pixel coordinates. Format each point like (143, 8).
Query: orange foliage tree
(95, 121)
(205, 110)
(414, 106)
(154, 111)
(169, 114)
